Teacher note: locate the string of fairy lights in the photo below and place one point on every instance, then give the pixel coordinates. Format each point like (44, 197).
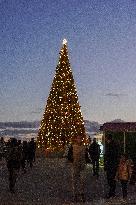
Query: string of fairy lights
(62, 119)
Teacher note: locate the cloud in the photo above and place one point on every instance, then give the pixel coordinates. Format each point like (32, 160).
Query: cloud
(36, 111)
(115, 95)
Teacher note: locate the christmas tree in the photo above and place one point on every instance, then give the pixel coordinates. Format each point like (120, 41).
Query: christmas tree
(62, 119)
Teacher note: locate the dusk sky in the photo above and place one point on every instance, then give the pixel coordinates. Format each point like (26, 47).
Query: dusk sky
(101, 37)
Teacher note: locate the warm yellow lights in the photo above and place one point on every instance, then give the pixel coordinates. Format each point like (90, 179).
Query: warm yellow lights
(62, 119)
(64, 41)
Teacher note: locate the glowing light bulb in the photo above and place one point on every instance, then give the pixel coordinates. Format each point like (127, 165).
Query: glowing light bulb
(64, 41)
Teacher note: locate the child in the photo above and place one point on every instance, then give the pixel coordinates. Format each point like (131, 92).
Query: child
(124, 173)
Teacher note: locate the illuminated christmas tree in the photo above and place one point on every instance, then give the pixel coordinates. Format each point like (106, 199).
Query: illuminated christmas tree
(62, 119)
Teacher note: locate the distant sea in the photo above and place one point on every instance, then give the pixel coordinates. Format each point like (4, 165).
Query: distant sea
(27, 130)
(19, 133)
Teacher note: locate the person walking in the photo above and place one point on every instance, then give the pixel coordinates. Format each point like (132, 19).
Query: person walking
(2, 148)
(24, 156)
(13, 163)
(111, 159)
(78, 169)
(31, 152)
(124, 173)
(94, 151)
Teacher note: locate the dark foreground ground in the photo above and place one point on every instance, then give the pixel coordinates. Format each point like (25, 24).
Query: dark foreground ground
(50, 183)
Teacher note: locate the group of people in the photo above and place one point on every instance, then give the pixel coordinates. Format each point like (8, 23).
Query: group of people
(18, 155)
(80, 155)
(117, 166)
(92, 155)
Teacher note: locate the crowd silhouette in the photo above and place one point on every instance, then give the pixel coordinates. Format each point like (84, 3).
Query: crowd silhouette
(117, 166)
(18, 155)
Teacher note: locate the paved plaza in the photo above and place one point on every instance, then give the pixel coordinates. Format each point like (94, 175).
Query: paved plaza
(50, 183)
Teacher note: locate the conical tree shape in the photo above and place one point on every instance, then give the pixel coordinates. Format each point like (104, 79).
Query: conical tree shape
(62, 119)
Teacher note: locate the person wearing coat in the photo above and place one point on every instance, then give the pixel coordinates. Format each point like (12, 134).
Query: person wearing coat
(79, 164)
(94, 151)
(111, 160)
(13, 163)
(124, 173)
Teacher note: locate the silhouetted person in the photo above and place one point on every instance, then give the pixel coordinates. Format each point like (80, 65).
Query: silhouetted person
(13, 163)
(24, 155)
(20, 148)
(111, 160)
(31, 152)
(19, 143)
(2, 147)
(94, 151)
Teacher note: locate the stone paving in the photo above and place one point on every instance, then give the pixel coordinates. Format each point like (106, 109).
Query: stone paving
(50, 183)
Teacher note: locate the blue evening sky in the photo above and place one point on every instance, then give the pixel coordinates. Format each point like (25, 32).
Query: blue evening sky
(101, 38)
